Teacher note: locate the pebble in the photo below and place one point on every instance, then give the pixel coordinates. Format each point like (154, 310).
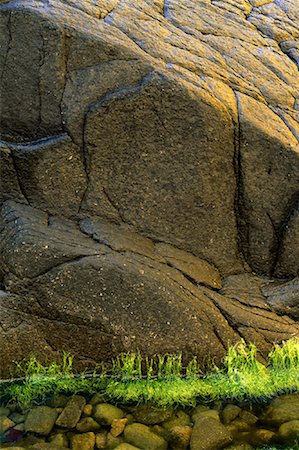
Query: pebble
(104, 426)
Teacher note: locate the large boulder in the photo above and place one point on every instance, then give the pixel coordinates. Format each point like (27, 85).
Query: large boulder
(149, 164)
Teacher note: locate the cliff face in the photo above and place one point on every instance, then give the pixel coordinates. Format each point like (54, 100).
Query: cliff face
(149, 150)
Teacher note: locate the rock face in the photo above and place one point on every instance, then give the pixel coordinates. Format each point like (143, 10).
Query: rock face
(149, 150)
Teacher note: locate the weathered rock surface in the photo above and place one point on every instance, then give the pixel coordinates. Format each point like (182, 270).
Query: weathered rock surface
(150, 158)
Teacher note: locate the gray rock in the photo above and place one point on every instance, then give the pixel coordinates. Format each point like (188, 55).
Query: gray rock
(199, 270)
(284, 297)
(41, 420)
(208, 433)
(48, 168)
(71, 412)
(141, 436)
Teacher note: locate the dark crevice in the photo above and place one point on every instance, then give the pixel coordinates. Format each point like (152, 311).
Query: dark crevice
(227, 317)
(40, 77)
(242, 227)
(114, 205)
(253, 309)
(19, 178)
(66, 51)
(292, 207)
(288, 54)
(274, 248)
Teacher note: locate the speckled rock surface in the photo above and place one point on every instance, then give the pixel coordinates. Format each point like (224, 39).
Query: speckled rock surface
(149, 154)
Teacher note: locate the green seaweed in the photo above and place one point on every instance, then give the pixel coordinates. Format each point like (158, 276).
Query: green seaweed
(162, 380)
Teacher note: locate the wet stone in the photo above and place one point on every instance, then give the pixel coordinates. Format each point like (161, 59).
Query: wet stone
(5, 423)
(180, 436)
(59, 439)
(179, 418)
(87, 410)
(141, 436)
(289, 431)
(72, 412)
(105, 413)
(85, 441)
(229, 413)
(209, 433)
(149, 415)
(87, 424)
(41, 420)
(101, 440)
(118, 426)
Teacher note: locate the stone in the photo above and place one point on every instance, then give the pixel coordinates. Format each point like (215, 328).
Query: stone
(41, 420)
(17, 417)
(101, 440)
(180, 437)
(287, 262)
(72, 412)
(282, 409)
(289, 431)
(59, 439)
(105, 413)
(87, 410)
(87, 424)
(178, 419)
(125, 446)
(46, 446)
(284, 297)
(269, 165)
(208, 433)
(212, 413)
(262, 436)
(229, 413)
(141, 436)
(5, 423)
(59, 401)
(113, 441)
(150, 415)
(4, 411)
(47, 168)
(118, 426)
(84, 441)
(243, 446)
(248, 417)
(199, 270)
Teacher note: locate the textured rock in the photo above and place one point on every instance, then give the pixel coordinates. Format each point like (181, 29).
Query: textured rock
(71, 413)
(282, 409)
(284, 298)
(51, 174)
(84, 441)
(41, 420)
(106, 413)
(149, 415)
(150, 153)
(141, 436)
(208, 433)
